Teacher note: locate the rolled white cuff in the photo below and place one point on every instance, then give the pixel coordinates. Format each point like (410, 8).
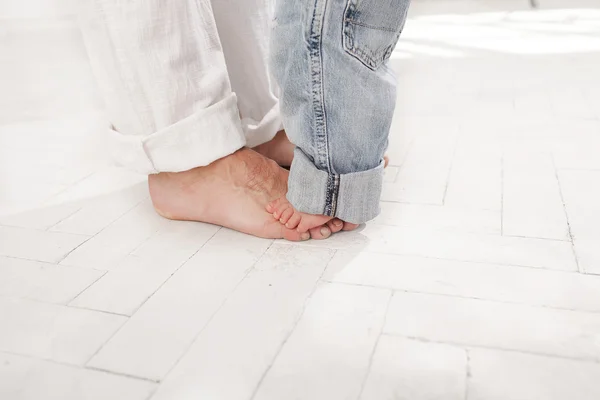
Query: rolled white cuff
(195, 141)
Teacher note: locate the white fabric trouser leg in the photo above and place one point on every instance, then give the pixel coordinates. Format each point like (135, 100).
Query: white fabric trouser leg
(185, 82)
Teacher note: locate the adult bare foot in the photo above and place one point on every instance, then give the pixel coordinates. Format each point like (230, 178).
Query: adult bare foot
(231, 192)
(278, 149)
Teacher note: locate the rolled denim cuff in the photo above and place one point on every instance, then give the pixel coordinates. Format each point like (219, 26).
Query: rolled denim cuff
(355, 195)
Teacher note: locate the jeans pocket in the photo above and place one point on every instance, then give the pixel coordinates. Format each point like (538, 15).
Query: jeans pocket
(372, 28)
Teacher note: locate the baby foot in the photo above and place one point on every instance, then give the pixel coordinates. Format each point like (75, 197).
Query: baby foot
(283, 211)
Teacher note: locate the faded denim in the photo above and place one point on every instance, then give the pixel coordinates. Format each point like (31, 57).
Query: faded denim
(337, 99)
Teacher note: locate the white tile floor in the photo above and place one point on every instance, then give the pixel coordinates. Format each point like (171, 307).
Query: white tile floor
(479, 281)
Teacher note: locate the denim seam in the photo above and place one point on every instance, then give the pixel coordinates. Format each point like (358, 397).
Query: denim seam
(378, 28)
(320, 121)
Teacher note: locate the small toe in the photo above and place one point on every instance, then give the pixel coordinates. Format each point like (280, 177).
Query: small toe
(281, 208)
(272, 206)
(294, 220)
(285, 216)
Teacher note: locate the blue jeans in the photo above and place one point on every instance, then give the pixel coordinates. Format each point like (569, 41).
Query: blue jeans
(338, 96)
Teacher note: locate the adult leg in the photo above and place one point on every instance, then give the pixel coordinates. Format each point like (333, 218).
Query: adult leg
(337, 100)
(161, 70)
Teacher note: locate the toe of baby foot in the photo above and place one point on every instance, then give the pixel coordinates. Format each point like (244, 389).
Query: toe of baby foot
(320, 232)
(335, 225)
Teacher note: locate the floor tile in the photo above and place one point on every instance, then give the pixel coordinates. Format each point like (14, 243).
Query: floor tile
(244, 337)
(54, 332)
(539, 253)
(532, 203)
(475, 181)
(577, 149)
(137, 276)
(99, 212)
(582, 199)
(491, 324)
(588, 255)
(161, 331)
(457, 219)
(409, 369)
(503, 283)
(42, 281)
(41, 218)
(501, 375)
(37, 245)
(108, 248)
(327, 356)
(24, 378)
(423, 176)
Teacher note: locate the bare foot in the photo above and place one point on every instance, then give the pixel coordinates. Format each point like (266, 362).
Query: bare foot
(231, 192)
(286, 214)
(278, 149)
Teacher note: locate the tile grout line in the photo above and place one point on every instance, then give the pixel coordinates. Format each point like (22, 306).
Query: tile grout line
(101, 230)
(160, 286)
(77, 366)
(542, 268)
(564, 204)
(68, 303)
(44, 230)
(67, 188)
(100, 311)
(48, 229)
(375, 346)
(467, 373)
(502, 195)
(408, 150)
(51, 263)
(595, 361)
(293, 328)
(85, 367)
(64, 305)
(451, 167)
(176, 270)
(396, 290)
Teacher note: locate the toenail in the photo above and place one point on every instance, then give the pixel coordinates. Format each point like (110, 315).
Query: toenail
(337, 222)
(325, 231)
(305, 236)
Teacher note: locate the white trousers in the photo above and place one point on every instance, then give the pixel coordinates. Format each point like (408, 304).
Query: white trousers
(185, 82)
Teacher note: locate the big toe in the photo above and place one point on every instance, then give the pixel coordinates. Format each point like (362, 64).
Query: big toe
(349, 227)
(320, 232)
(335, 225)
(275, 230)
(310, 221)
